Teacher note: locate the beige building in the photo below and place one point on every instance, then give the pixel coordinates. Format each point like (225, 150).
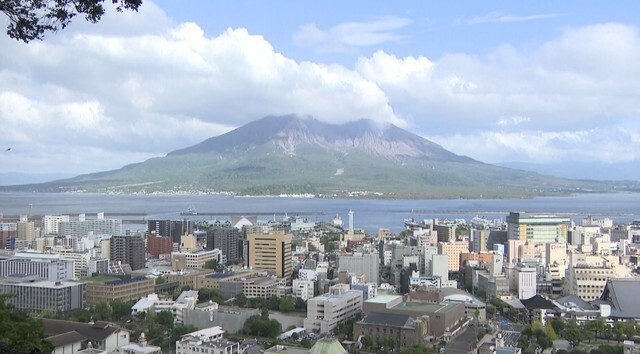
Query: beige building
(101, 289)
(586, 281)
(263, 287)
(26, 230)
(271, 251)
(326, 311)
(188, 243)
(453, 250)
(184, 260)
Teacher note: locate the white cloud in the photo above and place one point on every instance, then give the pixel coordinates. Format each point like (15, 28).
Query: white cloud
(610, 145)
(499, 17)
(351, 34)
(88, 99)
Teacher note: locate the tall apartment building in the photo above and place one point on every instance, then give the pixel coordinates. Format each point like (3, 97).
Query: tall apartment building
(525, 281)
(453, 250)
(128, 249)
(271, 251)
(326, 311)
(50, 223)
(159, 245)
(172, 228)
(446, 233)
(361, 263)
(80, 228)
(26, 230)
(227, 240)
(8, 230)
(538, 228)
(479, 240)
(33, 295)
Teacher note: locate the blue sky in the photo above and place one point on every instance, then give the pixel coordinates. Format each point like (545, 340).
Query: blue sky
(543, 82)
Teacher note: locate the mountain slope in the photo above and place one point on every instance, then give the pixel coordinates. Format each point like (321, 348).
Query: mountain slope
(292, 155)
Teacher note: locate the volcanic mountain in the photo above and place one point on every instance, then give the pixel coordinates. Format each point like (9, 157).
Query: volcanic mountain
(292, 155)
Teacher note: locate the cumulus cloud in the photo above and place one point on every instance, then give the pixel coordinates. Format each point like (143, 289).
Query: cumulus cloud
(351, 34)
(91, 99)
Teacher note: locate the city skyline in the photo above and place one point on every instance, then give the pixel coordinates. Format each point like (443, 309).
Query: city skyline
(549, 84)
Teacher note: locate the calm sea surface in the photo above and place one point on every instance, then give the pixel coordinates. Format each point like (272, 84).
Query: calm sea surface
(368, 214)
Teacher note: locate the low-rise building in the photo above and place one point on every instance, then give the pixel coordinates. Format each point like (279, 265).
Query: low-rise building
(32, 294)
(69, 337)
(326, 311)
(209, 340)
(125, 288)
(446, 319)
(405, 330)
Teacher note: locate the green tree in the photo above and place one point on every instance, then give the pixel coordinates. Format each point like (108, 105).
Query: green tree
(301, 305)
(367, 342)
(160, 280)
(165, 319)
(273, 303)
(119, 310)
(101, 312)
(31, 19)
(262, 326)
(208, 294)
(240, 300)
(179, 331)
(558, 324)
(573, 333)
(211, 264)
(287, 304)
(629, 329)
(305, 343)
(20, 332)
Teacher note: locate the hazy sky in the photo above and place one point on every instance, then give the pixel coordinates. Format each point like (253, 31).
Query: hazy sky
(497, 81)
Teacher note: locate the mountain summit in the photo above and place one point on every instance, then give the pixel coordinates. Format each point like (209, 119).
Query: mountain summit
(290, 132)
(291, 155)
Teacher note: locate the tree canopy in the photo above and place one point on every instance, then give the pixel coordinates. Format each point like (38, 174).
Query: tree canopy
(21, 333)
(31, 19)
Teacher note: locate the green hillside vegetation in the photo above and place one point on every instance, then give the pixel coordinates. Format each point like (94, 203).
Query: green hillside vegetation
(234, 163)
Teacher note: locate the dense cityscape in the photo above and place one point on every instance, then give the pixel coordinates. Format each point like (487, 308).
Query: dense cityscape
(526, 283)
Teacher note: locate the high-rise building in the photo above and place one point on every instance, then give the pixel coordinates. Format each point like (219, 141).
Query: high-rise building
(361, 263)
(479, 240)
(271, 251)
(453, 250)
(50, 223)
(83, 227)
(158, 245)
(526, 281)
(538, 228)
(227, 240)
(8, 230)
(128, 249)
(26, 230)
(172, 228)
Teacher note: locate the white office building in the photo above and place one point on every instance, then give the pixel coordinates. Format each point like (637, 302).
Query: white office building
(326, 311)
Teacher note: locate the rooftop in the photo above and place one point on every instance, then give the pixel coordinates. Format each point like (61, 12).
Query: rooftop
(383, 299)
(425, 307)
